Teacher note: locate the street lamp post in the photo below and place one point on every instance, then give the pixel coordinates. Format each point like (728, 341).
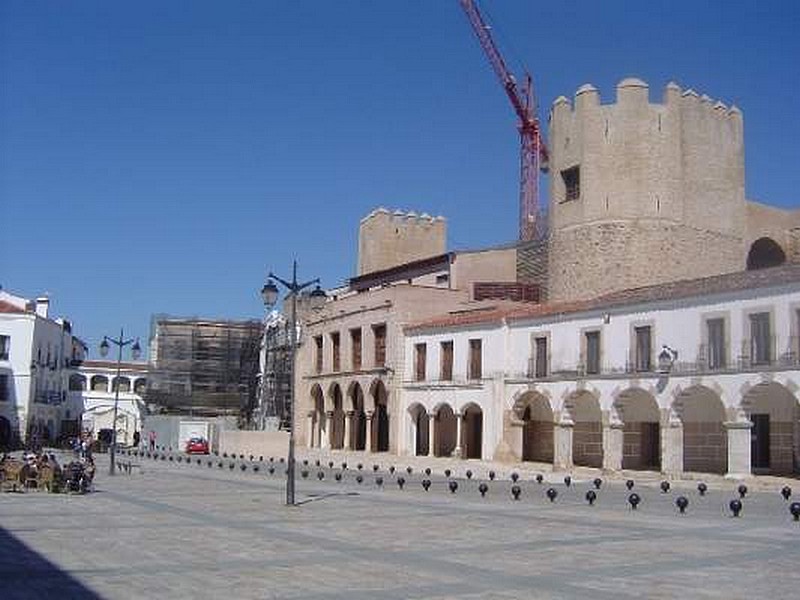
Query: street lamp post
(120, 343)
(269, 293)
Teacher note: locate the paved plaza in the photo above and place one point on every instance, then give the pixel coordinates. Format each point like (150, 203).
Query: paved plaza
(197, 531)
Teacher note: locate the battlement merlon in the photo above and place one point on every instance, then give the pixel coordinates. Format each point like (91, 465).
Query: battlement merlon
(632, 94)
(400, 215)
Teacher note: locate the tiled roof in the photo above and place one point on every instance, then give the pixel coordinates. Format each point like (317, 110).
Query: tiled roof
(689, 288)
(7, 307)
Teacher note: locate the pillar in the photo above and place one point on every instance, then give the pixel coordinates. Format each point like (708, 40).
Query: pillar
(370, 445)
(562, 445)
(329, 423)
(612, 446)
(738, 448)
(457, 451)
(672, 447)
(310, 420)
(348, 430)
(431, 432)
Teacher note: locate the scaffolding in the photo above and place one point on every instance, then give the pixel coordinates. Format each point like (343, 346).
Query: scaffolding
(276, 385)
(204, 367)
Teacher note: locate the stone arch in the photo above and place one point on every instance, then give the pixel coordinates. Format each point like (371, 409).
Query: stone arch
(536, 414)
(444, 430)
(358, 429)
(99, 383)
(335, 406)
(641, 432)
(77, 383)
(380, 417)
(419, 428)
(124, 384)
(317, 416)
(765, 252)
(587, 434)
(140, 386)
(774, 411)
(472, 431)
(705, 440)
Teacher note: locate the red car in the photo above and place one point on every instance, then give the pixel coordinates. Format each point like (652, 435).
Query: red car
(197, 446)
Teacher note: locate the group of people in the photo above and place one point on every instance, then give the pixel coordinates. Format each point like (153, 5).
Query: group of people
(43, 471)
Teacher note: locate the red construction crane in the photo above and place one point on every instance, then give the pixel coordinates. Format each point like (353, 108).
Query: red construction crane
(533, 153)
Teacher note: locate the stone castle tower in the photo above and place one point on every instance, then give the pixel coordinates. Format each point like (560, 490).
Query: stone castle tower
(643, 193)
(387, 239)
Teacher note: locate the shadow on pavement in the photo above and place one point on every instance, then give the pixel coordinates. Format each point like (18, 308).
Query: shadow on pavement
(25, 574)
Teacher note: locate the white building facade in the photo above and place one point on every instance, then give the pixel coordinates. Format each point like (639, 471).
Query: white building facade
(693, 376)
(92, 392)
(37, 354)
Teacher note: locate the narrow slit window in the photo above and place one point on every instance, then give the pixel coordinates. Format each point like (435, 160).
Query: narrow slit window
(572, 183)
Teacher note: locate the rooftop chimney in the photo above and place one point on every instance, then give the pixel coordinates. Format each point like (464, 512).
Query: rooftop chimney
(42, 306)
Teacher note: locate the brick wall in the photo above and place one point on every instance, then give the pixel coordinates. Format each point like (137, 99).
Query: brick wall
(538, 442)
(705, 447)
(587, 444)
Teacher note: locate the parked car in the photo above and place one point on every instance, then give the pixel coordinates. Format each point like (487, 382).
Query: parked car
(197, 445)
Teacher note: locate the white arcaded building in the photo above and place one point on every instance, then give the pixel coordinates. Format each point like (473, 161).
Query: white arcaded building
(92, 391)
(699, 375)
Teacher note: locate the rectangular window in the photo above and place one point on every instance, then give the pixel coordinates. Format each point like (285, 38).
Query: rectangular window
(446, 367)
(355, 348)
(4, 391)
(644, 349)
(336, 346)
(572, 183)
(592, 339)
(475, 359)
(318, 353)
(5, 346)
(420, 357)
(760, 339)
(716, 343)
(540, 358)
(379, 331)
(442, 279)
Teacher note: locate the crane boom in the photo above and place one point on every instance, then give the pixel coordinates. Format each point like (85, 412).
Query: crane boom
(533, 152)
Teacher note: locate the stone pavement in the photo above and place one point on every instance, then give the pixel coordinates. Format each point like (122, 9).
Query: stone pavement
(194, 531)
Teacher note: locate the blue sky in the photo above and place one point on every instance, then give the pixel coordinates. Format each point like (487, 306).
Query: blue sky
(163, 156)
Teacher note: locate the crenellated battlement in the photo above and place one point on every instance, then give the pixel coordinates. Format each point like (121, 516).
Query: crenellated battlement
(400, 215)
(632, 93)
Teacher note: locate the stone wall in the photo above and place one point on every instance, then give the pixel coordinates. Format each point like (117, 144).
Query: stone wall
(255, 443)
(587, 444)
(538, 445)
(593, 260)
(781, 448)
(387, 239)
(705, 447)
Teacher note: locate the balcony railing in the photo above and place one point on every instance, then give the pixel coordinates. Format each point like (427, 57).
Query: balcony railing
(775, 358)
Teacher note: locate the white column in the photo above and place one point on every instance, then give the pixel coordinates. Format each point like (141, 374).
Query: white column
(562, 445)
(310, 421)
(612, 446)
(672, 447)
(348, 430)
(431, 431)
(327, 441)
(457, 450)
(738, 448)
(369, 445)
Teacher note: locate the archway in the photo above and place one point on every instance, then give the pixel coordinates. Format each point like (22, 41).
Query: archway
(358, 431)
(765, 252)
(641, 434)
(472, 431)
(774, 412)
(587, 433)
(317, 416)
(5, 433)
(140, 386)
(77, 382)
(419, 426)
(537, 430)
(444, 431)
(123, 383)
(705, 441)
(380, 418)
(99, 383)
(337, 422)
